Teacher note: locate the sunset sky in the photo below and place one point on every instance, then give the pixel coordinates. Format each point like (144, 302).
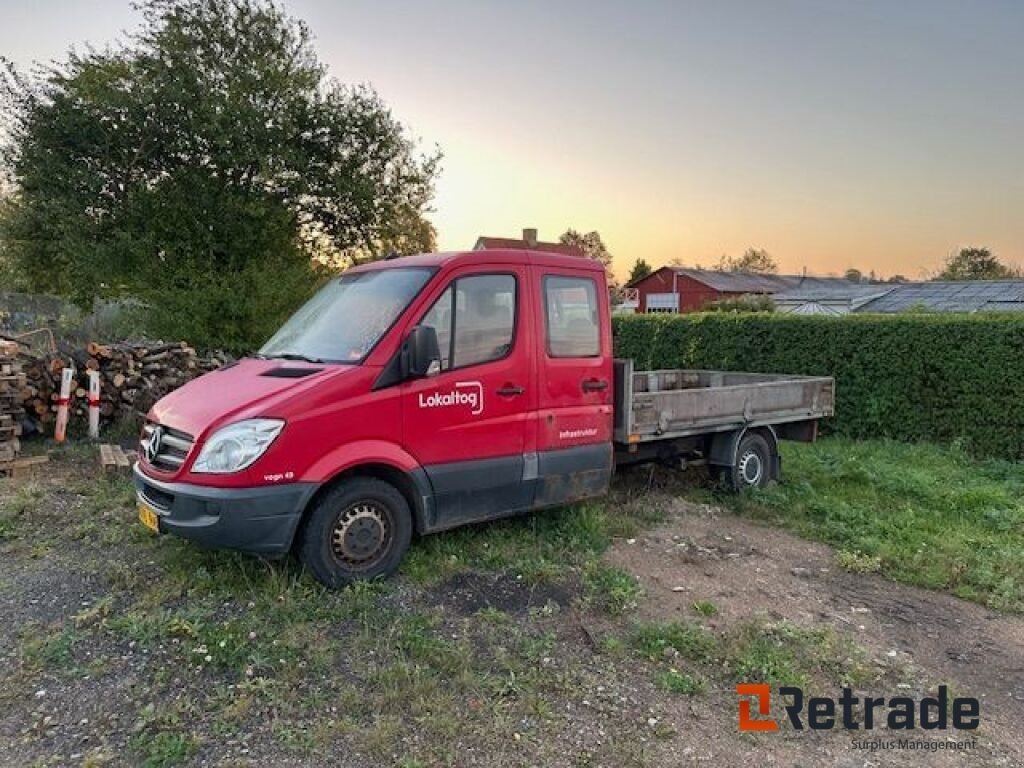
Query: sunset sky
(878, 135)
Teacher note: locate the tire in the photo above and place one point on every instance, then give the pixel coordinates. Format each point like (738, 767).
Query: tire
(752, 467)
(357, 531)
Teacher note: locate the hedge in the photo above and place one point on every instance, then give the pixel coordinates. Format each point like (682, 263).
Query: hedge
(939, 378)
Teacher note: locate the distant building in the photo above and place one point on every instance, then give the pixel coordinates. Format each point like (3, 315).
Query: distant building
(958, 296)
(839, 298)
(680, 289)
(528, 242)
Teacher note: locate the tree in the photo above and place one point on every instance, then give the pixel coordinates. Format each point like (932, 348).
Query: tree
(975, 264)
(206, 166)
(592, 247)
(590, 244)
(640, 270)
(752, 260)
(10, 276)
(854, 275)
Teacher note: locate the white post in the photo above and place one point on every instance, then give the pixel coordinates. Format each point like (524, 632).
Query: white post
(94, 404)
(60, 430)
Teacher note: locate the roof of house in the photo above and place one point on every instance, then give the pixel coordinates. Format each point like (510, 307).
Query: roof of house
(817, 308)
(491, 243)
(958, 296)
(736, 282)
(754, 282)
(833, 291)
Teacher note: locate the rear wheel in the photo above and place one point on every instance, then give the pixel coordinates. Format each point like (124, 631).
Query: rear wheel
(752, 467)
(358, 530)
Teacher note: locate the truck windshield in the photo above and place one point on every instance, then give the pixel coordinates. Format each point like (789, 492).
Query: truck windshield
(347, 317)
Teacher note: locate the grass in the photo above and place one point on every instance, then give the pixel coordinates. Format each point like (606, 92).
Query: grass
(242, 640)
(705, 608)
(658, 641)
(754, 651)
(858, 562)
(610, 589)
(19, 506)
(784, 654)
(163, 750)
(48, 650)
(230, 643)
(919, 514)
(539, 547)
(675, 681)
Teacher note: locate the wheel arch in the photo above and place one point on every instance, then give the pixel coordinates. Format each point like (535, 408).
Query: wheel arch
(413, 485)
(724, 445)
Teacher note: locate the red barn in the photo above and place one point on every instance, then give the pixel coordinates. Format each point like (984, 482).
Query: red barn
(678, 289)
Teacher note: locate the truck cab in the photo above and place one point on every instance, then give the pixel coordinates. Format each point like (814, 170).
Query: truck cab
(410, 395)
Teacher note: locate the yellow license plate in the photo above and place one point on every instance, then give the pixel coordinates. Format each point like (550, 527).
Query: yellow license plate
(149, 518)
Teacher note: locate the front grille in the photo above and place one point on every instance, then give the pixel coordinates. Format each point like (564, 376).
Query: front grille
(157, 498)
(172, 447)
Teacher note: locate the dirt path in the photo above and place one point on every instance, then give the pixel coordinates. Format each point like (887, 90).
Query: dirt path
(748, 570)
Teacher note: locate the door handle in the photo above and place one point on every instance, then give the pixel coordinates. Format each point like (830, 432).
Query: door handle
(509, 390)
(594, 385)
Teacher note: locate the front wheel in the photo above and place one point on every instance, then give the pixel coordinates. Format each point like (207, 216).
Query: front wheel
(359, 530)
(752, 467)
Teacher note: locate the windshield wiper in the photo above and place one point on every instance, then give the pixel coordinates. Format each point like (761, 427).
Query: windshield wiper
(294, 356)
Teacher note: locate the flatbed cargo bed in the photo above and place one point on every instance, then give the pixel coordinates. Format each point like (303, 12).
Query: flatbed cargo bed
(673, 404)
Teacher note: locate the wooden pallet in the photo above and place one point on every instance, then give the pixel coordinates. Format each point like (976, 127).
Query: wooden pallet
(114, 459)
(14, 468)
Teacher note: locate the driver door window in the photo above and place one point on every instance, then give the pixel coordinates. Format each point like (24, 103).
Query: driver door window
(475, 320)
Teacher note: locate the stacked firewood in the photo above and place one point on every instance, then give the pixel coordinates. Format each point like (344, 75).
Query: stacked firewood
(41, 389)
(133, 376)
(12, 381)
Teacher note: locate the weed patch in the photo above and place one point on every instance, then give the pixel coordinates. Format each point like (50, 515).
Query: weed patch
(610, 589)
(784, 654)
(920, 514)
(705, 608)
(660, 641)
(675, 681)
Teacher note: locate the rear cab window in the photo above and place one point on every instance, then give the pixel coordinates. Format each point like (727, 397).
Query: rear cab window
(571, 316)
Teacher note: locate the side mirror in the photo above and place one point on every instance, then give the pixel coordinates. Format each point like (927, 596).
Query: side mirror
(421, 353)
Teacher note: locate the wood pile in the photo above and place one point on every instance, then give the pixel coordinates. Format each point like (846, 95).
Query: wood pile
(12, 381)
(133, 376)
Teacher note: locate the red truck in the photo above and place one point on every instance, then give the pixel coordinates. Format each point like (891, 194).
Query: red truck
(421, 393)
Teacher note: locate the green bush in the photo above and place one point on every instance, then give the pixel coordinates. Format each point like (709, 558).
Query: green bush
(741, 304)
(942, 378)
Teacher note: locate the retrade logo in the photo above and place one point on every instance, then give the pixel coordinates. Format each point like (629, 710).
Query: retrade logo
(850, 712)
(762, 692)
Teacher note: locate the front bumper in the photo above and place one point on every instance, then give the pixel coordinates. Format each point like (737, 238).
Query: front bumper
(258, 520)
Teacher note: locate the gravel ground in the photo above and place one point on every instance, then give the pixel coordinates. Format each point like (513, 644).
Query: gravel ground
(118, 648)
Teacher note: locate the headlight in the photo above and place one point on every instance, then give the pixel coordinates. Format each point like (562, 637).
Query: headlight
(236, 446)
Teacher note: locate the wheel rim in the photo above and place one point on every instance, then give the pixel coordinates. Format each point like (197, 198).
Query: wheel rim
(362, 535)
(750, 468)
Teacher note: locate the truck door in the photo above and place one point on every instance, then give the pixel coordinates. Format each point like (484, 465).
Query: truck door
(467, 426)
(574, 430)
